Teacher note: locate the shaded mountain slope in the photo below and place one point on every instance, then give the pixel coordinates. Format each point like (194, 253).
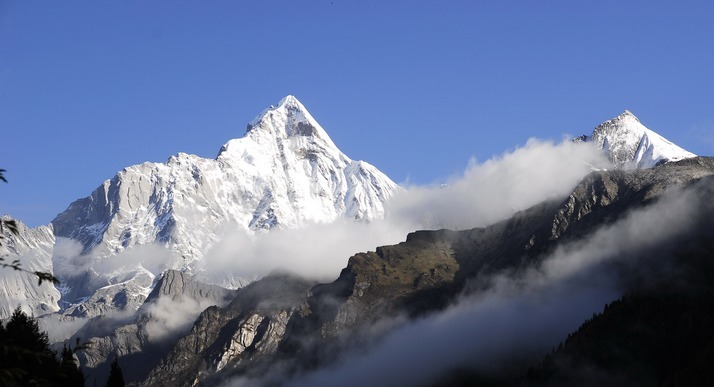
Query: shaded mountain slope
(658, 334)
(435, 265)
(247, 331)
(431, 268)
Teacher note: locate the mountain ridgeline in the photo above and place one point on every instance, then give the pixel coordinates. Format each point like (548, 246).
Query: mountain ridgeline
(431, 269)
(131, 257)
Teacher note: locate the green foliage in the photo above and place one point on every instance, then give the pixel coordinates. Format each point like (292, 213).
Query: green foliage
(27, 360)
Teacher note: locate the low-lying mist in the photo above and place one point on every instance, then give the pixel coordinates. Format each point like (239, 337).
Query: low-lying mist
(518, 317)
(485, 193)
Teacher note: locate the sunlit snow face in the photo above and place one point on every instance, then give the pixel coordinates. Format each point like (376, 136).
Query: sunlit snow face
(631, 145)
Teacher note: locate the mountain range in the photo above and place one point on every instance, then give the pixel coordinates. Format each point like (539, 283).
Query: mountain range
(131, 256)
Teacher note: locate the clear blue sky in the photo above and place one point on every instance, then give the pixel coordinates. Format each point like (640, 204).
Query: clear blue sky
(414, 87)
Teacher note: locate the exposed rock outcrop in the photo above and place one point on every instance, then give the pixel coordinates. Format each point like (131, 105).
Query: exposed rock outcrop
(141, 340)
(32, 247)
(247, 331)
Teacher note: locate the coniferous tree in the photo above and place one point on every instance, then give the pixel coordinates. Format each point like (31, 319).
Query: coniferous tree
(116, 377)
(26, 358)
(70, 374)
(26, 355)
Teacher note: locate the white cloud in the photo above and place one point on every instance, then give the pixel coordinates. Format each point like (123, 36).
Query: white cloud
(490, 191)
(171, 315)
(486, 193)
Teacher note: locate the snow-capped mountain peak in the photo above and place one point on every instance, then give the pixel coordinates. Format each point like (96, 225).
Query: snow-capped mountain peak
(627, 114)
(285, 172)
(629, 144)
(288, 121)
(288, 107)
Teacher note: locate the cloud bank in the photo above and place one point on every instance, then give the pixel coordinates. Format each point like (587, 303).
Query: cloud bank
(487, 192)
(495, 189)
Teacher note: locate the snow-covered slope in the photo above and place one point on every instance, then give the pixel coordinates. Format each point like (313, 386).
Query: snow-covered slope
(284, 173)
(33, 248)
(630, 145)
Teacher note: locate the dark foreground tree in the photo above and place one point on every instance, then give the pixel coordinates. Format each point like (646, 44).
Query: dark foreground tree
(27, 360)
(69, 371)
(116, 377)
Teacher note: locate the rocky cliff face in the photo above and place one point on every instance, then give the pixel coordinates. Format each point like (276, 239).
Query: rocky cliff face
(246, 332)
(141, 340)
(32, 247)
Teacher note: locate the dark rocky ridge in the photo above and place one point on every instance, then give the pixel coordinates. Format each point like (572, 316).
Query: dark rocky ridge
(657, 334)
(418, 276)
(430, 267)
(248, 330)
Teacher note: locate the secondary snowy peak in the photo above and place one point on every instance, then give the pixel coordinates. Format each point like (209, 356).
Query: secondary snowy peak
(33, 248)
(285, 172)
(631, 145)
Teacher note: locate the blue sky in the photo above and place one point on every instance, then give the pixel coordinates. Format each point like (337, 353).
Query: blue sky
(416, 88)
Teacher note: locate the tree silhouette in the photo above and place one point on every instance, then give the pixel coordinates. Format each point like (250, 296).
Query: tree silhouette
(116, 377)
(27, 360)
(69, 370)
